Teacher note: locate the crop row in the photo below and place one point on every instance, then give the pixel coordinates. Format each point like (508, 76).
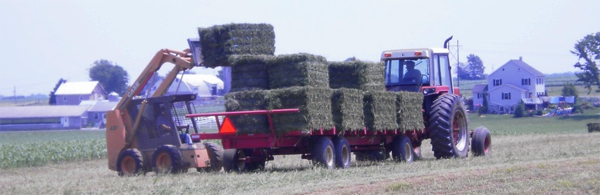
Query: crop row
(14, 155)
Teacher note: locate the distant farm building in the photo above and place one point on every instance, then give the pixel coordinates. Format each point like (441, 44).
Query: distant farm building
(42, 117)
(72, 93)
(201, 85)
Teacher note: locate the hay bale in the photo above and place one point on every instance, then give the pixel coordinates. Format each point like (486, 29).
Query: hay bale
(249, 72)
(409, 106)
(314, 104)
(380, 110)
(246, 101)
(347, 109)
(298, 70)
(593, 127)
(220, 41)
(367, 76)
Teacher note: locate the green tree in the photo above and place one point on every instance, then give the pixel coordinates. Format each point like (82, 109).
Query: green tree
(588, 51)
(461, 71)
(111, 76)
(475, 67)
(569, 89)
(520, 110)
(484, 108)
(52, 100)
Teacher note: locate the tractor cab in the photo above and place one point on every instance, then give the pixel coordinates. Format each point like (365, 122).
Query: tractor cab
(425, 70)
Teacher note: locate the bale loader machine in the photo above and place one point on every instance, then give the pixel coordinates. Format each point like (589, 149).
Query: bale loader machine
(150, 132)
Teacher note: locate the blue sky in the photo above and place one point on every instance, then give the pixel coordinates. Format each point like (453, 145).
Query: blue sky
(42, 41)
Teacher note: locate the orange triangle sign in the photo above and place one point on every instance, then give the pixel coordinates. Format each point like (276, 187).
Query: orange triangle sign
(227, 127)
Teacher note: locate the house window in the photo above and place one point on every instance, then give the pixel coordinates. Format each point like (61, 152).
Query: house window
(65, 98)
(506, 96)
(497, 82)
(539, 81)
(80, 97)
(479, 95)
(525, 81)
(96, 116)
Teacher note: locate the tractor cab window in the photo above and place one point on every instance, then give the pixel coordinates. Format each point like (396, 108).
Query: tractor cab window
(407, 72)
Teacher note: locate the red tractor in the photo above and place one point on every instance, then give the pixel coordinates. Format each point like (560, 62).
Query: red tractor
(428, 70)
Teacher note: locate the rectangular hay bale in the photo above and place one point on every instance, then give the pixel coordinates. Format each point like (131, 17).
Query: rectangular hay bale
(347, 109)
(220, 41)
(380, 110)
(298, 70)
(249, 72)
(247, 101)
(314, 104)
(409, 106)
(367, 76)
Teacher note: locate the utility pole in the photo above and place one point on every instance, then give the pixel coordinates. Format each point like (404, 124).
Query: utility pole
(457, 64)
(15, 94)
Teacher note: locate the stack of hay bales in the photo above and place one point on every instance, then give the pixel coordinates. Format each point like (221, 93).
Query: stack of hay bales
(298, 70)
(409, 110)
(380, 110)
(347, 109)
(357, 75)
(221, 41)
(314, 104)
(245, 101)
(593, 127)
(249, 72)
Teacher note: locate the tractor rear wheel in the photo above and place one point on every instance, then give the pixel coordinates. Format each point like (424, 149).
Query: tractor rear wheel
(215, 154)
(342, 152)
(167, 159)
(481, 142)
(448, 127)
(402, 150)
(234, 160)
(130, 162)
(322, 152)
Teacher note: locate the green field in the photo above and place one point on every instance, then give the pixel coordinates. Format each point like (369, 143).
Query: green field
(532, 155)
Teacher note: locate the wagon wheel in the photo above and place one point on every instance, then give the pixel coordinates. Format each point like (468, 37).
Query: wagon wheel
(322, 152)
(342, 152)
(402, 150)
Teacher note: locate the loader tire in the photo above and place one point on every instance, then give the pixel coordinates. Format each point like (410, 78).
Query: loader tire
(448, 127)
(323, 152)
(215, 154)
(343, 155)
(167, 159)
(481, 142)
(130, 162)
(402, 150)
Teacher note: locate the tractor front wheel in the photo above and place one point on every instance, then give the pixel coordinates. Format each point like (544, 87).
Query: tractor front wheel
(448, 127)
(481, 142)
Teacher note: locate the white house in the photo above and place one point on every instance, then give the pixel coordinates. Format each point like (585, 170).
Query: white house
(202, 85)
(513, 82)
(72, 93)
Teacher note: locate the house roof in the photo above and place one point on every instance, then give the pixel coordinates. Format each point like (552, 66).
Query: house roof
(102, 106)
(526, 67)
(480, 88)
(42, 111)
(509, 85)
(76, 88)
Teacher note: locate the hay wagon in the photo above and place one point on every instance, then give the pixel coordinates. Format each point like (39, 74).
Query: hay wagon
(326, 146)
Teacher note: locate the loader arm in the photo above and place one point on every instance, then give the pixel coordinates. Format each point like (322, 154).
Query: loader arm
(120, 127)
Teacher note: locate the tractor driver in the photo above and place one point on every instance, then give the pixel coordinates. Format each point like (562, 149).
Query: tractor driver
(162, 123)
(412, 75)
